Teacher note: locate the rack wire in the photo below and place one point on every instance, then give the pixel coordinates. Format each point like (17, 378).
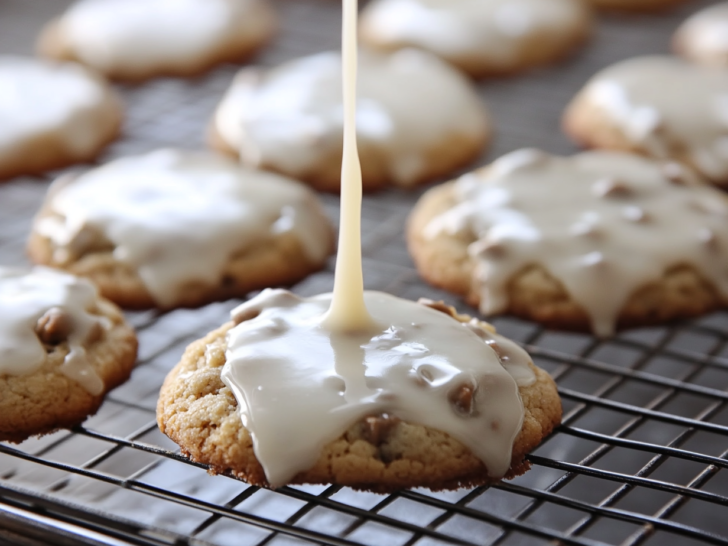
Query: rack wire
(639, 459)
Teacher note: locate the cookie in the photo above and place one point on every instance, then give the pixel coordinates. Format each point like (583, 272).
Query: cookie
(139, 39)
(635, 5)
(703, 38)
(174, 228)
(625, 107)
(483, 38)
(53, 115)
(428, 398)
(600, 240)
(418, 119)
(62, 347)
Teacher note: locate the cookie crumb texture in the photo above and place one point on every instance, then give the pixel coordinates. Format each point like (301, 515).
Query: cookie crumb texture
(134, 40)
(379, 454)
(47, 400)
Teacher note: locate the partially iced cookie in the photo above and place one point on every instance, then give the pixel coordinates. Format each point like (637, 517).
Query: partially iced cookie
(596, 241)
(426, 398)
(658, 106)
(62, 347)
(175, 228)
(417, 117)
(140, 39)
(52, 115)
(482, 37)
(703, 37)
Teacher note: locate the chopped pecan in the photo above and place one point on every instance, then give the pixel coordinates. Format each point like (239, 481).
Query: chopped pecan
(54, 326)
(462, 399)
(377, 427)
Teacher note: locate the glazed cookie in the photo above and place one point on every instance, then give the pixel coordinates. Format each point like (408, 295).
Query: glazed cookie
(635, 5)
(626, 107)
(53, 115)
(175, 228)
(417, 118)
(62, 347)
(139, 39)
(426, 398)
(703, 38)
(484, 38)
(599, 240)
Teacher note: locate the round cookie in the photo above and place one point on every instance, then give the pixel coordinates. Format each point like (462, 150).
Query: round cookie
(703, 37)
(62, 347)
(53, 115)
(173, 228)
(635, 5)
(483, 38)
(417, 119)
(414, 418)
(600, 240)
(139, 39)
(658, 106)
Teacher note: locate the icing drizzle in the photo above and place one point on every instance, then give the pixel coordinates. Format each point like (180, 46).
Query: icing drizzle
(178, 217)
(25, 297)
(300, 386)
(603, 223)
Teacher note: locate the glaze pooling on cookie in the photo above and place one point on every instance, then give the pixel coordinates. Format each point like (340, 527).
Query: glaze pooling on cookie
(144, 35)
(703, 37)
(178, 217)
(38, 97)
(666, 107)
(291, 117)
(25, 298)
(493, 31)
(604, 224)
(423, 367)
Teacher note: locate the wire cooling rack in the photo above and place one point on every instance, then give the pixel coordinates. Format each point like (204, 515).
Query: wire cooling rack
(639, 459)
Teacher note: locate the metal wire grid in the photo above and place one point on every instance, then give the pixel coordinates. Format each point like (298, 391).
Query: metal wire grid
(637, 459)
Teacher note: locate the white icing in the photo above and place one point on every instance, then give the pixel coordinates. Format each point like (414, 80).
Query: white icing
(603, 223)
(704, 36)
(300, 386)
(495, 31)
(25, 296)
(141, 35)
(667, 106)
(291, 117)
(38, 97)
(178, 217)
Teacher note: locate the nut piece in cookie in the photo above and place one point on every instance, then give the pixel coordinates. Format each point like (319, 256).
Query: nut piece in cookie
(53, 115)
(140, 39)
(173, 228)
(625, 107)
(420, 399)
(598, 241)
(418, 119)
(703, 37)
(482, 37)
(61, 349)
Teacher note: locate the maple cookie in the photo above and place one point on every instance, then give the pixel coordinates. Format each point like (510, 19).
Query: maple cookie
(53, 115)
(426, 398)
(625, 107)
(483, 38)
(599, 240)
(139, 39)
(703, 37)
(175, 228)
(417, 119)
(62, 347)
(635, 5)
